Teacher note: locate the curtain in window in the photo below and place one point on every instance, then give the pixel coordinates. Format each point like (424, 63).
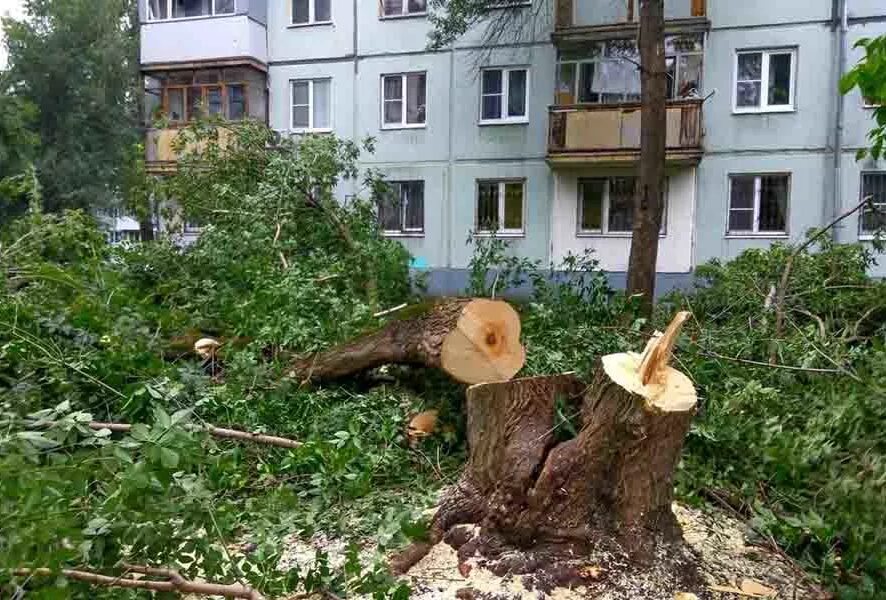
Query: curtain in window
(413, 199)
(487, 206)
(301, 104)
(416, 98)
(616, 78)
(393, 99)
(773, 202)
(157, 9)
(322, 101)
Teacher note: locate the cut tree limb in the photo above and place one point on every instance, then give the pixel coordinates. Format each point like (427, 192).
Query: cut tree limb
(472, 340)
(613, 481)
(231, 434)
(173, 581)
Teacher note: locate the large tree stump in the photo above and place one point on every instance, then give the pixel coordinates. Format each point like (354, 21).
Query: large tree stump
(611, 485)
(472, 340)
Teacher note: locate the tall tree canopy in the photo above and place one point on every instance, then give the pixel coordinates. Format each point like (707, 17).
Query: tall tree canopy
(869, 76)
(74, 62)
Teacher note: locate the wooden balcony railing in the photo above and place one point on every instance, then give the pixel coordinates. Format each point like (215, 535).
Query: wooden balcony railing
(160, 148)
(611, 132)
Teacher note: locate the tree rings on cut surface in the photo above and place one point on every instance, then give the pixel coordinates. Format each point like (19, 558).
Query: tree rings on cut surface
(485, 343)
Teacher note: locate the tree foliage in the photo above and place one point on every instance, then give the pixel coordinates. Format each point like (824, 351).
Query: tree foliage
(71, 65)
(869, 76)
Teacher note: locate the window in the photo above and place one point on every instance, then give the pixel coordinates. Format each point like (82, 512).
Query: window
(403, 100)
(402, 210)
(159, 10)
(311, 105)
(608, 73)
(873, 185)
(399, 8)
(500, 206)
(306, 12)
(758, 204)
(606, 205)
(503, 95)
(764, 81)
(190, 102)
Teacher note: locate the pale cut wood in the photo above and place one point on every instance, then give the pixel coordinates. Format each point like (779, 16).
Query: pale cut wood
(485, 345)
(661, 348)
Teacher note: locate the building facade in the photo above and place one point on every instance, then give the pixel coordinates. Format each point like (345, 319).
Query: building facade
(535, 135)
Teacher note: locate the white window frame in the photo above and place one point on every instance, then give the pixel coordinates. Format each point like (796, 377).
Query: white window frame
(758, 188)
(881, 206)
(402, 124)
(501, 231)
(312, 11)
(404, 12)
(310, 128)
(404, 231)
(169, 16)
(764, 82)
(503, 118)
(604, 216)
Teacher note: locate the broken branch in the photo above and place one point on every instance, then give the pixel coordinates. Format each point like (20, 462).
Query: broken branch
(220, 432)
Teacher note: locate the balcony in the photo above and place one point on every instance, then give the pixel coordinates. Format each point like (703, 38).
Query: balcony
(198, 41)
(161, 156)
(608, 134)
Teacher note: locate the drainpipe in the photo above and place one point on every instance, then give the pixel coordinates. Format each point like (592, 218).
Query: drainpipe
(841, 27)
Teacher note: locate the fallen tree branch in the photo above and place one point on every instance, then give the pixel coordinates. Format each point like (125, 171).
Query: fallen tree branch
(231, 434)
(786, 275)
(174, 581)
(758, 363)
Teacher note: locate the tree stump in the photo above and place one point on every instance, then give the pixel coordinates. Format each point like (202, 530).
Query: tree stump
(472, 340)
(609, 486)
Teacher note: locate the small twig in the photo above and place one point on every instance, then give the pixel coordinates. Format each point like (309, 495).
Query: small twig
(220, 432)
(390, 310)
(758, 363)
(174, 582)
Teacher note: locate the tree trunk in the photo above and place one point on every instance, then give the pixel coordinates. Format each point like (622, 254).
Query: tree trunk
(653, 138)
(472, 340)
(611, 485)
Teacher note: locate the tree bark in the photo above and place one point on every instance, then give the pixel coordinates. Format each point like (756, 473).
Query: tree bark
(653, 139)
(470, 339)
(611, 483)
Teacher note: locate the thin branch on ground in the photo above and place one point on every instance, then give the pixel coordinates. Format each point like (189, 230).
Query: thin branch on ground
(758, 363)
(219, 432)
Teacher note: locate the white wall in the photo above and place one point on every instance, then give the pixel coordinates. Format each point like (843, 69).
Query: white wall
(613, 250)
(186, 40)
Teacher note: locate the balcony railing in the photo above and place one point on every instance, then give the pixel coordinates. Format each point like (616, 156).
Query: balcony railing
(611, 132)
(161, 155)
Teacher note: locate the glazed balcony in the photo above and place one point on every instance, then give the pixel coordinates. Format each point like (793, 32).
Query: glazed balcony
(610, 133)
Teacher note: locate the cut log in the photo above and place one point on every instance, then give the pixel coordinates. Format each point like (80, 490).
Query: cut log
(612, 484)
(472, 340)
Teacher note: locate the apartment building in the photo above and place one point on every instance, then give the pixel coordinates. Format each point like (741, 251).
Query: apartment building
(537, 136)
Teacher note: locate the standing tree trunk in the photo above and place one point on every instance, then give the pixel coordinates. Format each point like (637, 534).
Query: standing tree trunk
(653, 137)
(611, 486)
(472, 340)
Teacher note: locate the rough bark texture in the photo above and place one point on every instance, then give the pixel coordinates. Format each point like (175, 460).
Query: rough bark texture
(611, 483)
(653, 139)
(416, 341)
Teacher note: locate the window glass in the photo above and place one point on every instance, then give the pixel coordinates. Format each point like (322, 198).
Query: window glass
(590, 194)
(565, 84)
(621, 203)
(195, 103)
(513, 205)
(322, 103)
(175, 101)
(873, 185)
(487, 206)
(689, 77)
(389, 209)
(224, 7)
(750, 79)
(517, 93)
(415, 98)
(301, 109)
(412, 194)
(214, 103)
(416, 6)
(322, 10)
(779, 79)
(157, 9)
(392, 7)
(586, 82)
(493, 92)
(393, 99)
(773, 203)
(236, 102)
(301, 11)
(741, 209)
(190, 8)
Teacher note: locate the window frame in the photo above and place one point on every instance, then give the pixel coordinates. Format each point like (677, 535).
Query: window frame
(402, 124)
(169, 16)
(310, 129)
(862, 234)
(758, 187)
(504, 119)
(185, 89)
(312, 12)
(404, 231)
(404, 13)
(501, 231)
(604, 231)
(766, 60)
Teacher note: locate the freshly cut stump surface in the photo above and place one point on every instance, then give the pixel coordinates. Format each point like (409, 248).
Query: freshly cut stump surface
(472, 340)
(609, 488)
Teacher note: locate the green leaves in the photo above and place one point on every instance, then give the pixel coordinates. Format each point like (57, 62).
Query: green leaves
(869, 77)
